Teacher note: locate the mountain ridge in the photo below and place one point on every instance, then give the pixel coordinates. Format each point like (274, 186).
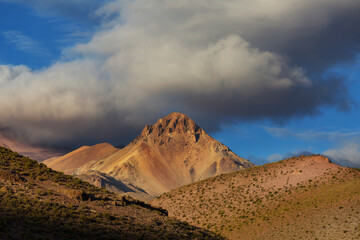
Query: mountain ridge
(172, 152)
(37, 202)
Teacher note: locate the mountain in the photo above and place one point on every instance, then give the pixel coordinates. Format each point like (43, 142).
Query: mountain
(305, 197)
(75, 159)
(39, 203)
(35, 152)
(173, 152)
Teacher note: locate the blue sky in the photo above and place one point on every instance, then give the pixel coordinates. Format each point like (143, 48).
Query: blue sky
(35, 38)
(266, 141)
(99, 70)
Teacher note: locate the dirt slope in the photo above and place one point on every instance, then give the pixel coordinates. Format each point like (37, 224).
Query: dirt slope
(75, 159)
(39, 203)
(299, 198)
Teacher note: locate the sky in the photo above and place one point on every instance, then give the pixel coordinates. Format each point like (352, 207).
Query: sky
(270, 79)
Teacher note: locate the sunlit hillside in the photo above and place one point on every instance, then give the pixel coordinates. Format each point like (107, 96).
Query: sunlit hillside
(39, 203)
(298, 198)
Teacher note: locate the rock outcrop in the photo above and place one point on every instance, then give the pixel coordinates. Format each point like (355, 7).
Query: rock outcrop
(173, 152)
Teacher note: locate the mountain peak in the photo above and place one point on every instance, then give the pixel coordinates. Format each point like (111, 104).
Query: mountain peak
(176, 115)
(172, 152)
(172, 124)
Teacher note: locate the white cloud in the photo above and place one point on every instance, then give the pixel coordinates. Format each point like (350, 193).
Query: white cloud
(274, 157)
(9, 73)
(348, 154)
(222, 59)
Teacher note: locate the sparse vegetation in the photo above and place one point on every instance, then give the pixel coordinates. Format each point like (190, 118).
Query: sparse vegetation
(291, 199)
(39, 203)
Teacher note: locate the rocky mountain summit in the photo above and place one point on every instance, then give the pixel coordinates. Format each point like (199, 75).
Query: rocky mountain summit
(173, 152)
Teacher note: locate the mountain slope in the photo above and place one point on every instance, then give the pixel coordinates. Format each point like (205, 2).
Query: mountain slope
(39, 203)
(299, 198)
(171, 153)
(75, 159)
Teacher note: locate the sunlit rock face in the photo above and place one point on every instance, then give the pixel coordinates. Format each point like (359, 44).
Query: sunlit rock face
(173, 152)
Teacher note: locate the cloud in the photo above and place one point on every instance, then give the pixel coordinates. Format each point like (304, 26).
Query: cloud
(274, 157)
(346, 150)
(216, 62)
(16, 143)
(25, 43)
(9, 73)
(338, 135)
(347, 155)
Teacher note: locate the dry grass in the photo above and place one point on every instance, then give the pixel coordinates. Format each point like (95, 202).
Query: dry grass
(39, 203)
(299, 198)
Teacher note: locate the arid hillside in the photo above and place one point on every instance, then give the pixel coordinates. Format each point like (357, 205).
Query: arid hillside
(173, 152)
(298, 198)
(39, 203)
(75, 159)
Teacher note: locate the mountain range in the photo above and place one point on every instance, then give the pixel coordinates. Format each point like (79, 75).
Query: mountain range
(37, 202)
(182, 173)
(171, 153)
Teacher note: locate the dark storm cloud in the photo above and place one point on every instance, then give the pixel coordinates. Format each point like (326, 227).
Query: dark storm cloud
(277, 105)
(315, 47)
(217, 62)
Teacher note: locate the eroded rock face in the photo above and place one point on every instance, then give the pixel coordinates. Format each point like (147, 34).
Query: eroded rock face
(174, 123)
(173, 152)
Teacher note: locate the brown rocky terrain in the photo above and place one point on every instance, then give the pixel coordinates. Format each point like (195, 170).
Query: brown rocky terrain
(173, 152)
(77, 158)
(37, 202)
(307, 197)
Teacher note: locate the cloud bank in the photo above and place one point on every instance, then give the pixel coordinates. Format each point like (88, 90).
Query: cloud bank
(214, 60)
(346, 155)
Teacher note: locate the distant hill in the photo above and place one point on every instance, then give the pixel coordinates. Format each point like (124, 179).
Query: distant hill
(298, 198)
(173, 152)
(77, 158)
(37, 202)
(35, 152)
